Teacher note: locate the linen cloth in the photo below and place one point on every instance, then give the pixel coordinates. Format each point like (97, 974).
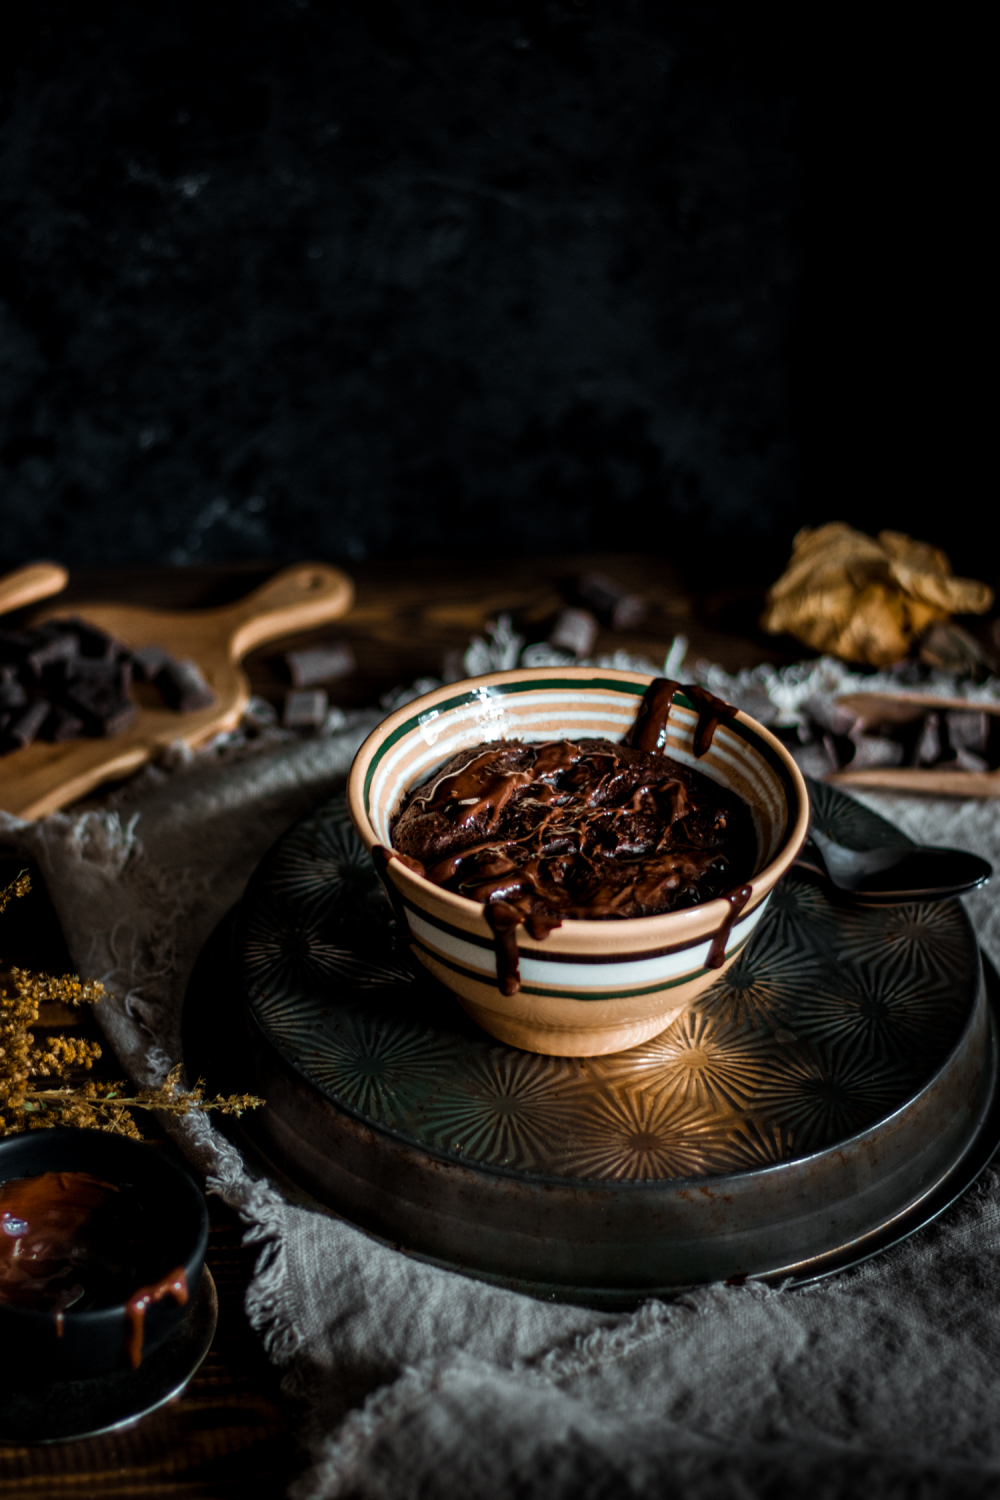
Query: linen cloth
(415, 1382)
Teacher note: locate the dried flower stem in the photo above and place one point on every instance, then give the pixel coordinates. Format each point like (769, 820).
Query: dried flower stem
(97, 1106)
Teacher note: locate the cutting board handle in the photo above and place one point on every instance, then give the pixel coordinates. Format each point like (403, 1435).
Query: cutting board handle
(298, 598)
(29, 584)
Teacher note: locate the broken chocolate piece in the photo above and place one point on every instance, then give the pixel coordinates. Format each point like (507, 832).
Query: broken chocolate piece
(967, 731)
(98, 695)
(94, 643)
(183, 687)
(67, 677)
(875, 750)
(317, 664)
(148, 661)
(62, 725)
(55, 651)
(305, 710)
(968, 760)
(12, 694)
(612, 604)
(25, 726)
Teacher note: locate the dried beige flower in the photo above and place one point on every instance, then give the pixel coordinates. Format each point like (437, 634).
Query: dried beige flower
(868, 601)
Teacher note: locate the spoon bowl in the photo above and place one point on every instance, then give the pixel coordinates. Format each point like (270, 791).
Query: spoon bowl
(894, 875)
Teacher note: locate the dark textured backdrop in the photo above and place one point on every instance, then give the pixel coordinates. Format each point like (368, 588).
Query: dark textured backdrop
(374, 279)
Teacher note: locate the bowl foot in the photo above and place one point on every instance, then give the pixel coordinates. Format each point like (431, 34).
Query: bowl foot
(596, 1041)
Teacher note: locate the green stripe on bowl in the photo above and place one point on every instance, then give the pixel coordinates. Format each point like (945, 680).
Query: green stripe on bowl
(586, 996)
(639, 955)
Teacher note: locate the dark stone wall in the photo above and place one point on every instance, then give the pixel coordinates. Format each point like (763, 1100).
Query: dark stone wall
(282, 277)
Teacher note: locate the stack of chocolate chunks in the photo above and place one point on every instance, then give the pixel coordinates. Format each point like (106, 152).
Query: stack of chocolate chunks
(66, 678)
(833, 736)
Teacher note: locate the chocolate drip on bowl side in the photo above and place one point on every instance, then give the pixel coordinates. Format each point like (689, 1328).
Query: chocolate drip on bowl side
(737, 900)
(174, 1284)
(650, 727)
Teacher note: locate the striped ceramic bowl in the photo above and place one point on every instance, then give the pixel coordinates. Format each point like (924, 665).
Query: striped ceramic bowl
(589, 987)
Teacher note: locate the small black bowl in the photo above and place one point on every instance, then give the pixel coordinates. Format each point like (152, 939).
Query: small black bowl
(174, 1225)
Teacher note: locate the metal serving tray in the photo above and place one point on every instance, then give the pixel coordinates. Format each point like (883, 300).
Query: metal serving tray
(831, 1092)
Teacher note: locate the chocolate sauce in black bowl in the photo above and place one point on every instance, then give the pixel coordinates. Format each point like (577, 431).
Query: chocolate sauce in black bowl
(102, 1246)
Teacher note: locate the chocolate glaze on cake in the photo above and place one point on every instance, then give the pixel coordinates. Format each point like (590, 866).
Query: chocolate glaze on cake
(585, 829)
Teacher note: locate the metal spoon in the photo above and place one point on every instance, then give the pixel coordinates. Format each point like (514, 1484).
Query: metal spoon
(887, 877)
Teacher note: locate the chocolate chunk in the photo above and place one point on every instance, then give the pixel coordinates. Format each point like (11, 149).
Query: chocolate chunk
(183, 687)
(305, 710)
(148, 661)
(612, 604)
(575, 630)
(50, 630)
(25, 726)
(52, 651)
(831, 716)
(319, 664)
(12, 694)
(967, 760)
(94, 643)
(967, 731)
(875, 750)
(98, 694)
(61, 725)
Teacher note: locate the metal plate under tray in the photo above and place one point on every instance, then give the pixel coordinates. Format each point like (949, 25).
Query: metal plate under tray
(831, 1092)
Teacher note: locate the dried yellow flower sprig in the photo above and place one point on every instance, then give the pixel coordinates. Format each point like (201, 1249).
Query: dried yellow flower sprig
(105, 1107)
(95, 1106)
(19, 887)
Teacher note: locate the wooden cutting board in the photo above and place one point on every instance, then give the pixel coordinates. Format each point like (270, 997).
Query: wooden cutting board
(42, 777)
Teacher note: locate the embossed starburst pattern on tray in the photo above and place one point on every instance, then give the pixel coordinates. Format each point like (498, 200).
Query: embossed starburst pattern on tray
(828, 1021)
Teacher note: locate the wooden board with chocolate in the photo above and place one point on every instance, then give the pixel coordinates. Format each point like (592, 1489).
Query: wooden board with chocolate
(188, 665)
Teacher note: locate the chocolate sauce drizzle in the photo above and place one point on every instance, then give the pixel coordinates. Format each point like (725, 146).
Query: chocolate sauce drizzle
(737, 900)
(174, 1284)
(586, 830)
(64, 1243)
(650, 727)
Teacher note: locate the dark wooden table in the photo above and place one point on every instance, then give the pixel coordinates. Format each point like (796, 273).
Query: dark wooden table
(229, 1434)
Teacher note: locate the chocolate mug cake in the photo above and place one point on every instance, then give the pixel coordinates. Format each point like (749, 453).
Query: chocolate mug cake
(588, 830)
